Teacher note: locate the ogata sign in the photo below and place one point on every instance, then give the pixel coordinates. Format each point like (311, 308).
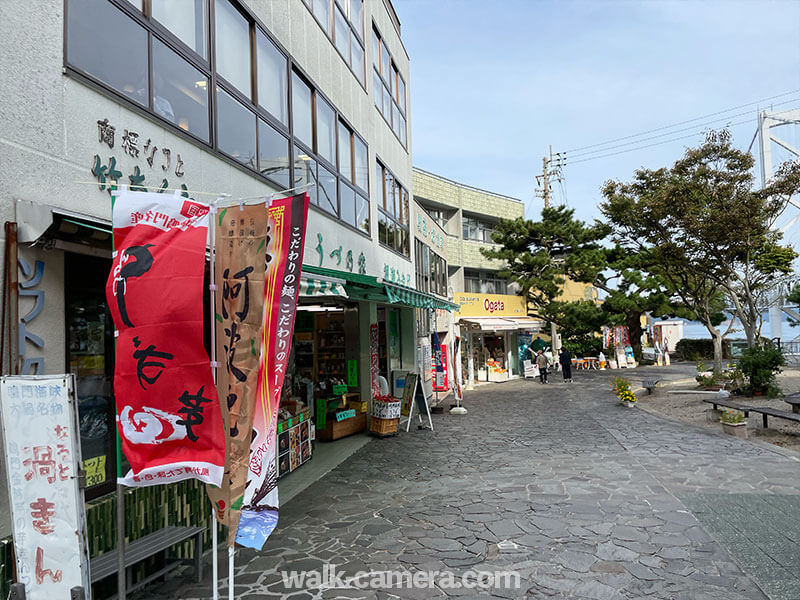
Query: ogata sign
(493, 306)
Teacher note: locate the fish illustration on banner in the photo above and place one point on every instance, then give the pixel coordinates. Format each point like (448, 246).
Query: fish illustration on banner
(168, 416)
(240, 242)
(285, 239)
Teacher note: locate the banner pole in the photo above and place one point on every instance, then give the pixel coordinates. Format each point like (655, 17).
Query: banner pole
(212, 287)
(214, 553)
(230, 572)
(120, 494)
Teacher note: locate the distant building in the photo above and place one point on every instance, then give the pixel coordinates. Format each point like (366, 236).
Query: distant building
(493, 320)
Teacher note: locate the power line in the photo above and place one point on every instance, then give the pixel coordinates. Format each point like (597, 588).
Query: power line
(683, 122)
(683, 137)
(668, 133)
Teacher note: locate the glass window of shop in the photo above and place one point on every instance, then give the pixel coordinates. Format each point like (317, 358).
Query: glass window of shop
(161, 58)
(90, 357)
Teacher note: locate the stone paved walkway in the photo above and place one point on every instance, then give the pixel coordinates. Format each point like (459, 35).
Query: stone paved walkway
(579, 495)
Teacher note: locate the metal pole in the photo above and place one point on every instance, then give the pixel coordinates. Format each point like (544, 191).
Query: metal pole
(213, 289)
(214, 554)
(230, 572)
(120, 494)
(13, 299)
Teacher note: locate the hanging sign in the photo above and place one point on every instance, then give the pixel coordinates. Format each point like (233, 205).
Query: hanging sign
(168, 416)
(239, 250)
(374, 361)
(286, 227)
(42, 454)
(352, 373)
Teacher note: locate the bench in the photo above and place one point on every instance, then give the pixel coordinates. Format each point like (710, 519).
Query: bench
(728, 404)
(650, 385)
(106, 564)
(778, 414)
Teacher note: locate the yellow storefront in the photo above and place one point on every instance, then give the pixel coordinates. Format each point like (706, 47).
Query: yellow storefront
(491, 325)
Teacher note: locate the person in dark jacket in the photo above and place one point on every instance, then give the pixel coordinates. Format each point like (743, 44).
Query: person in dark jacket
(565, 359)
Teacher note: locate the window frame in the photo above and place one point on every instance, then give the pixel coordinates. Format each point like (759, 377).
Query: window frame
(389, 86)
(344, 7)
(394, 222)
(207, 67)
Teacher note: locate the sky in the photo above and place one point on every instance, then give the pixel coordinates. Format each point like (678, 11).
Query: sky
(495, 83)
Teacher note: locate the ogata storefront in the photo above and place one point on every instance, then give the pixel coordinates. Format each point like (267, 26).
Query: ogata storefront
(490, 326)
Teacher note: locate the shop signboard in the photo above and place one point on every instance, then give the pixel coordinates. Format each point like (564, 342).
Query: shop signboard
(374, 361)
(169, 420)
(489, 305)
(345, 414)
(457, 391)
(440, 382)
(286, 224)
(239, 239)
(352, 373)
(408, 393)
(42, 455)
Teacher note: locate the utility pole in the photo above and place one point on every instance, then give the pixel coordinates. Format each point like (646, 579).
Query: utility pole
(551, 168)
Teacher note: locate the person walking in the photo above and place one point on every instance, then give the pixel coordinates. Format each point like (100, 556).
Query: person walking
(565, 359)
(541, 362)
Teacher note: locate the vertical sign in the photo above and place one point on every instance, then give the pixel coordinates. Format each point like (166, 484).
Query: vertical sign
(286, 230)
(239, 241)
(440, 383)
(42, 451)
(169, 419)
(374, 360)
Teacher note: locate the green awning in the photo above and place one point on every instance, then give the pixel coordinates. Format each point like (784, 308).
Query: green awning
(399, 294)
(367, 287)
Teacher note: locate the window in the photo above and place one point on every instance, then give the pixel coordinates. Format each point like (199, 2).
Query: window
(232, 36)
(326, 131)
(301, 111)
(305, 173)
(246, 116)
(273, 154)
(475, 229)
(180, 92)
(439, 216)
(236, 129)
(346, 29)
(186, 19)
(345, 151)
(109, 46)
(431, 270)
(327, 191)
(360, 168)
(392, 212)
(484, 282)
(388, 88)
(271, 66)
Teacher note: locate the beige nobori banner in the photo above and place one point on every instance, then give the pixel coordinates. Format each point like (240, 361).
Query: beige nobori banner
(240, 241)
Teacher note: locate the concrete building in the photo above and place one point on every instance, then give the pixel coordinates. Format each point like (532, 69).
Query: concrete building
(208, 97)
(492, 319)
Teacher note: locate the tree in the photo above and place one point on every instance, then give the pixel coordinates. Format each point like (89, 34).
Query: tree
(541, 255)
(707, 230)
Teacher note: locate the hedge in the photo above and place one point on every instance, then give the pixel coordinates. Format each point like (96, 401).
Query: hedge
(702, 349)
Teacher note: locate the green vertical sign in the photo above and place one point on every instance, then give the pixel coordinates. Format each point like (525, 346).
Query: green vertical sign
(352, 373)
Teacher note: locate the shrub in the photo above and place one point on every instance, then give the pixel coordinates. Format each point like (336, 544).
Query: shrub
(732, 417)
(760, 365)
(589, 346)
(702, 349)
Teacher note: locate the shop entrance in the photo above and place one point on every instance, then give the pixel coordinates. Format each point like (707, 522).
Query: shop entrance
(90, 357)
(322, 378)
(489, 356)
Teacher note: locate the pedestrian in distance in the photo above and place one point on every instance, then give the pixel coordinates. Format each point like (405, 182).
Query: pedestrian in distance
(565, 359)
(541, 362)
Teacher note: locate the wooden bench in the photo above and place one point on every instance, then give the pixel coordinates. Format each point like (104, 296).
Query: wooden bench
(106, 564)
(778, 414)
(794, 401)
(728, 404)
(650, 385)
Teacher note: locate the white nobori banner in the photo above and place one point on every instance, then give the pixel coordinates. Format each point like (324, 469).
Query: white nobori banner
(42, 452)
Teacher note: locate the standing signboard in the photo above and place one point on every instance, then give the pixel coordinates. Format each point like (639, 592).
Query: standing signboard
(40, 429)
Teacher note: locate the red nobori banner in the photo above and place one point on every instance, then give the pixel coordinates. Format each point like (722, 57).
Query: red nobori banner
(285, 239)
(168, 416)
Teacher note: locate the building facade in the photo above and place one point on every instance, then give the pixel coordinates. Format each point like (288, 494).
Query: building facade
(206, 98)
(492, 319)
